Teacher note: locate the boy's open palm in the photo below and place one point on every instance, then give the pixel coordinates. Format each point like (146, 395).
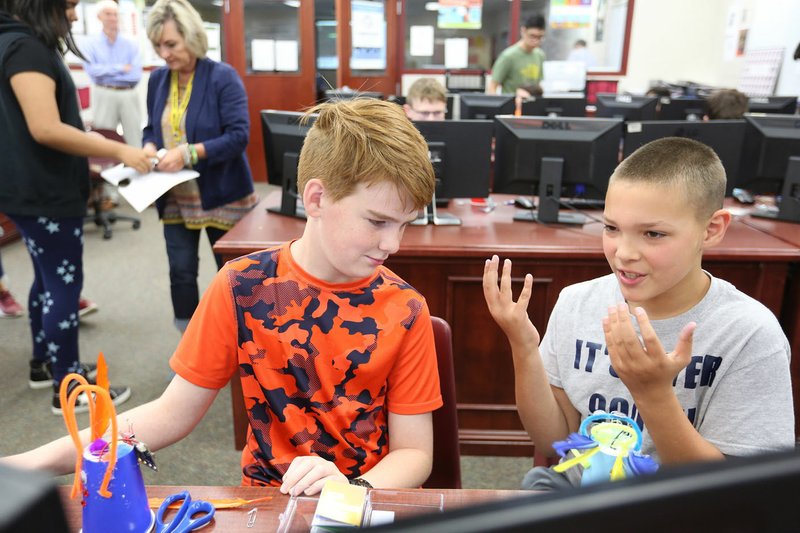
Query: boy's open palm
(511, 316)
(644, 369)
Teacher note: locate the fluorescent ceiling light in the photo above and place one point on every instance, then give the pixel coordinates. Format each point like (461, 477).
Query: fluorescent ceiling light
(431, 6)
(292, 3)
(217, 3)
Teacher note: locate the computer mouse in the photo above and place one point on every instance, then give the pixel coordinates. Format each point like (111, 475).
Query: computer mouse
(523, 202)
(743, 196)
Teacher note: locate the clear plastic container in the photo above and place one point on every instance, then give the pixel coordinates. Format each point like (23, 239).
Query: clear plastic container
(381, 506)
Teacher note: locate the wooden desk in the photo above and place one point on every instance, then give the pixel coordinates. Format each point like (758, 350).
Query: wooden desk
(268, 515)
(445, 264)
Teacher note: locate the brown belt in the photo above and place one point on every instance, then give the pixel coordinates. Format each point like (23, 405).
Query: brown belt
(117, 87)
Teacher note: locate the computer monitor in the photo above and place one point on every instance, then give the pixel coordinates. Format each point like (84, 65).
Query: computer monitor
(486, 106)
(725, 137)
(682, 108)
(771, 162)
(338, 94)
(781, 105)
(460, 152)
(284, 134)
(626, 106)
(565, 105)
(556, 157)
(751, 494)
(29, 501)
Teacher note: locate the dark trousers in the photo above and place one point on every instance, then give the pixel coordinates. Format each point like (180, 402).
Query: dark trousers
(56, 249)
(182, 252)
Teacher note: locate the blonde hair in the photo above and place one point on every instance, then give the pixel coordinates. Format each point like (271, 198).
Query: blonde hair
(678, 162)
(187, 21)
(368, 141)
(426, 89)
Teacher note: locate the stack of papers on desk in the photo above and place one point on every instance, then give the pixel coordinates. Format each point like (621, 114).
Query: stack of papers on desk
(141, 190)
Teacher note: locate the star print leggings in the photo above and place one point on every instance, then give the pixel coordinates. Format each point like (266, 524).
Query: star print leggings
(56, 249)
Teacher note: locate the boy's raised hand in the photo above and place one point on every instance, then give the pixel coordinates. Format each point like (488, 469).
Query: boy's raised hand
(307, 474)
(649, 369)
(511, 316)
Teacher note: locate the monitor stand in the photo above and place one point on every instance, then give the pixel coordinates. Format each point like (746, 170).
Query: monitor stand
(550, 197)
(789, 205)
(291, 205)
(430, 215)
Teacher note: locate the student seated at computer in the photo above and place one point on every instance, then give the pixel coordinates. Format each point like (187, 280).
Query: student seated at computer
(710, 377)
(426, 100)
(335, 352)
(726, 104)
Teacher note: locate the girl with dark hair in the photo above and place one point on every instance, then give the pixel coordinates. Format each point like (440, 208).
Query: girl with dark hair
(45, 178)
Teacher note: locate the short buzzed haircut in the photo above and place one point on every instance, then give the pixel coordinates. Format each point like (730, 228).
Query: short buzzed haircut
(426, 89)
(726, 104)
(369, 141)
(681, 164)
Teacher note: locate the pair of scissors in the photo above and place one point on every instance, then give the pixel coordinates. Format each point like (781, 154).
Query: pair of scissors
(191, 514)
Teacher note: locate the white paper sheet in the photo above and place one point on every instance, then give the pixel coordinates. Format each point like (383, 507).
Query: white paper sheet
(456, 53)
(141, 190)
(421, 41)
(262, 54)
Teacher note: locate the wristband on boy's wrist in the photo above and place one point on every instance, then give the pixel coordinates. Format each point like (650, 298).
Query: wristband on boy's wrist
(360, 482)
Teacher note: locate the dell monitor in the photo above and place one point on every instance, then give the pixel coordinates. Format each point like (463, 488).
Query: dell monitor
(771, 162)
(780, 105)
(460, 152)
(627, 107)
(682, 108)
(284, 133)
(486, 106)
(725, 137)
(558, 157)
(565, 105)
(753, 494)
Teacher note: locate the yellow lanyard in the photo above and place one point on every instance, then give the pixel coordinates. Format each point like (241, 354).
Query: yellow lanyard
(178, 105)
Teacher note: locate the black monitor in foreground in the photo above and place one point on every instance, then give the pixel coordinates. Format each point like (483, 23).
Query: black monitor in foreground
(283, 139)
(626, 106)
(725, 137)
(485, 106)
(682, 108)
(555, 106)
(556, 157)
(460, 151)
(756, 494)
(780, 105)
(771, 162)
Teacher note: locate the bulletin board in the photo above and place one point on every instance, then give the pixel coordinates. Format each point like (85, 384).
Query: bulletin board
(760, 71)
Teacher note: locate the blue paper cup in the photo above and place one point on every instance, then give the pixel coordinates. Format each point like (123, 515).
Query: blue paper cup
(127, 510)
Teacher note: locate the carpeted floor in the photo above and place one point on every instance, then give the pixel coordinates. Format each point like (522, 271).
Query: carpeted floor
(127, 277)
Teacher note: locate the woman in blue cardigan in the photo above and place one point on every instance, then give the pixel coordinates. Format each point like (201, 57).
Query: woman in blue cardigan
(197, 113)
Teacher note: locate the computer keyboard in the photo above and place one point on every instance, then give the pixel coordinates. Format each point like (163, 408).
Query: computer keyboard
(583, 203)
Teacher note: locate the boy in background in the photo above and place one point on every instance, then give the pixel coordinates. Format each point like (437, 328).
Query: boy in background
(521, 63)
(426, 100)
(726, 104)
(335, 352)
(709, 377)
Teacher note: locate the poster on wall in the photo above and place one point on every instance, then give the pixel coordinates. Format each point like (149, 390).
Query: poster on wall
(368, 26)
(460, 14)
(570, 14)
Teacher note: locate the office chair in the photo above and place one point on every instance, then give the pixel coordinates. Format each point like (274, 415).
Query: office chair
(104, 218)
(446, 471)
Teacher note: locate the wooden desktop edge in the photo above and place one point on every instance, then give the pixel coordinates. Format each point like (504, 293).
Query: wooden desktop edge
(268, 514)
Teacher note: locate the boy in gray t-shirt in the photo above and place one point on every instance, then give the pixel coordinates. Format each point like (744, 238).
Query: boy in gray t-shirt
(702, 368)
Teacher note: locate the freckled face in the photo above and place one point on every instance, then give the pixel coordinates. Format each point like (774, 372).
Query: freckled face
(653, 242)
(359, 232)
